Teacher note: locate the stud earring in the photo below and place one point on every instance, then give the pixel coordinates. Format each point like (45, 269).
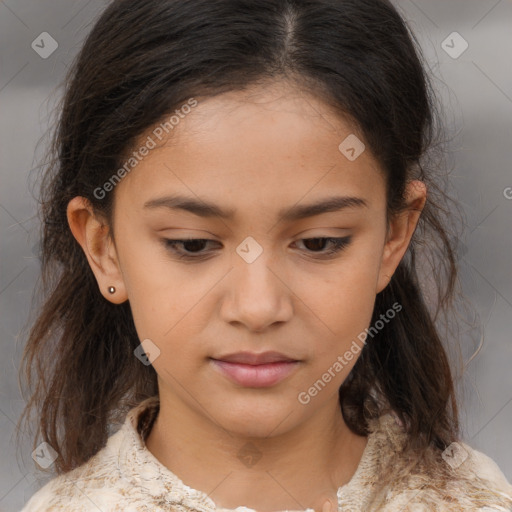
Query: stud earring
(111, 289)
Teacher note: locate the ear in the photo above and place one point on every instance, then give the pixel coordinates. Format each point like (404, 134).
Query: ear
(93, 234)
(400, 231)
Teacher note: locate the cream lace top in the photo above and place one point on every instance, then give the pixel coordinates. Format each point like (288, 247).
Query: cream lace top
(124, 476)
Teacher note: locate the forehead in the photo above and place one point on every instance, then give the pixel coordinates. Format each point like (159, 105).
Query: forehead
(258, 147)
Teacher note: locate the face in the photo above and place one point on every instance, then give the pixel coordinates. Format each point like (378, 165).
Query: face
(255, 280)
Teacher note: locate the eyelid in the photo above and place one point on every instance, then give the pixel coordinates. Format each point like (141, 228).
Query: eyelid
(338, 245)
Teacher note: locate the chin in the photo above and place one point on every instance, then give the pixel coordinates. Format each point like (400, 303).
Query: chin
(258, 420)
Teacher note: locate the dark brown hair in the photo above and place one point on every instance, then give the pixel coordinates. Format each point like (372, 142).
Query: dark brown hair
(145, 58)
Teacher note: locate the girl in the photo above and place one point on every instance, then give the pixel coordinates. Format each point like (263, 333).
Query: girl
(237, 229)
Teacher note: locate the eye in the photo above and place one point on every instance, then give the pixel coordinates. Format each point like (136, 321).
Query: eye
(191, 248)
(337, 244)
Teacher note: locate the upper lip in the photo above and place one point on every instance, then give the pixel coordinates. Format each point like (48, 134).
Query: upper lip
(254, 358)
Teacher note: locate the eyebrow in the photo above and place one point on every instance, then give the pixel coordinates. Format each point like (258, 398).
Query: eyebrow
(206, 209)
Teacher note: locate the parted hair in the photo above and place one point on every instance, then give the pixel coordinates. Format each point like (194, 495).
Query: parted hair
(145, 58)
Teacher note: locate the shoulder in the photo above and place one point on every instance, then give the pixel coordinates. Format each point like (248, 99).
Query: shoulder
(457, 479)
(108, 481)
(486, 469)
(477, 485)
(94, 485)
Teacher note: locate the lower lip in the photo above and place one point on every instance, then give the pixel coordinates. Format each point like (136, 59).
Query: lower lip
(256, 376)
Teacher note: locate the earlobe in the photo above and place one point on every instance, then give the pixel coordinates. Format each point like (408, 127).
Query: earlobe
(93, 235)
(401, 229)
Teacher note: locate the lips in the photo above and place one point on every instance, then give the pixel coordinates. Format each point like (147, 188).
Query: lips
(254, 358)
(255, 370)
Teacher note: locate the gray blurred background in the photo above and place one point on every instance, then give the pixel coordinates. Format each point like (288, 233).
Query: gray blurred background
(475, 85)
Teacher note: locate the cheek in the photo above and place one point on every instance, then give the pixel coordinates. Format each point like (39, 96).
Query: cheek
(167, 300)
(343, 304)
(346, 290)
(149, 282)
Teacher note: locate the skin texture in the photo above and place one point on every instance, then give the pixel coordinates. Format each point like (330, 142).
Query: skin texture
(255, 152)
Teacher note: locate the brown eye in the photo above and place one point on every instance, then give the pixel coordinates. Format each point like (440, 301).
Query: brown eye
(191, 246)
(316, 245)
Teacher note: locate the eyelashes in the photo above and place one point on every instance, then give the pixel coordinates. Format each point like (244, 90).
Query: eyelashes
(337, 244)
(178, 247)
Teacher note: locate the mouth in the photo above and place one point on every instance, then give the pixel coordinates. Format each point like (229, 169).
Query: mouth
(255, 370)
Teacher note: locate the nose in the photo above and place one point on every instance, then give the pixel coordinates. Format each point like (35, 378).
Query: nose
(258, 295)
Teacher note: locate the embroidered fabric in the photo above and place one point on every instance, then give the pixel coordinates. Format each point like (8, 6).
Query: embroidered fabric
(124, 476)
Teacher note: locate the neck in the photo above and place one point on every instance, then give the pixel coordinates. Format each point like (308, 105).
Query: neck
(296, 470)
